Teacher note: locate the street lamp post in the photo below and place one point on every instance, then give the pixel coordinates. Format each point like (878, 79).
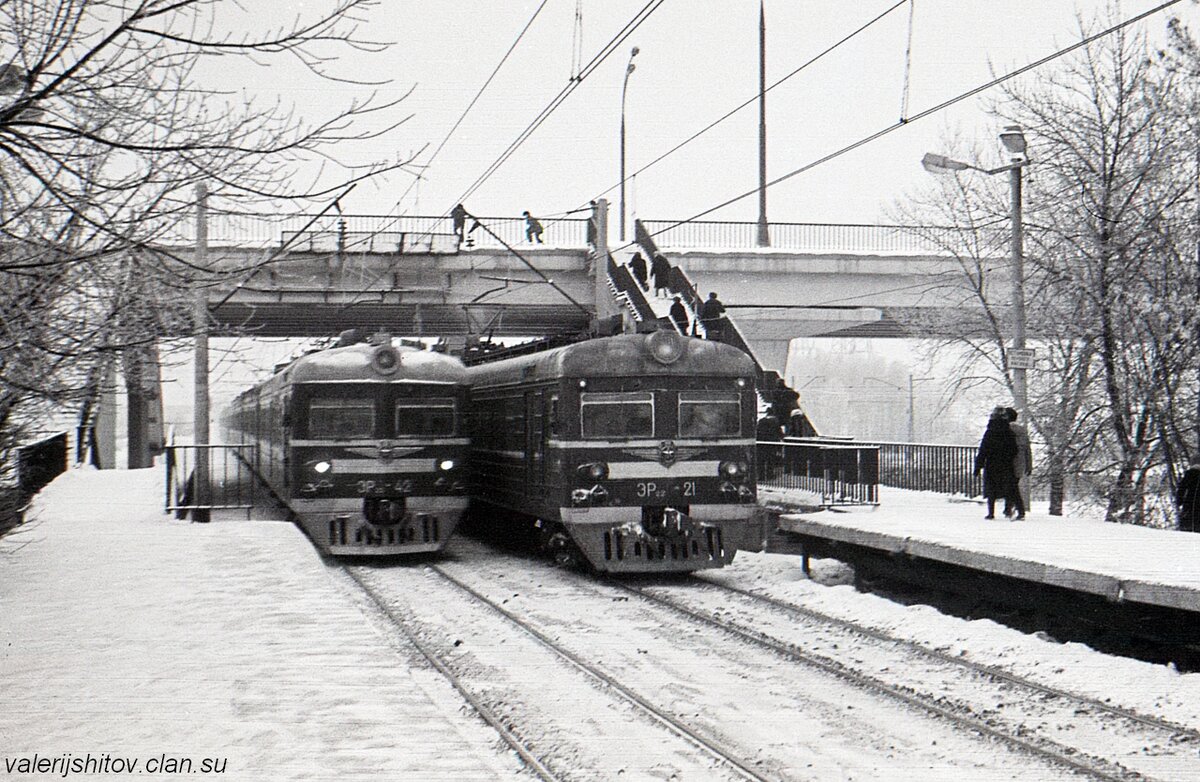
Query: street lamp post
(1014, 141)
(629, 69)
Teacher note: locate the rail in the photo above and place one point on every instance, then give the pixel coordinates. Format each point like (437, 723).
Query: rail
(232, 483)
(839, 473)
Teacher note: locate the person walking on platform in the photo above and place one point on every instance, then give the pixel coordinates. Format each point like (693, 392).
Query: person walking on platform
(660, 269)
(458, 218)
(997, 452)
(1187, 498)
(680, 316)
(1022, 463)
(711, 312)
(533, 228)
(637, 265)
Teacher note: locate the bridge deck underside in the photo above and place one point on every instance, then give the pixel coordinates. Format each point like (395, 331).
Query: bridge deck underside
(314, 320)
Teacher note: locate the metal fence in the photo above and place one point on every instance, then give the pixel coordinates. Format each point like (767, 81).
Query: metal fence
(948, 469)
(41, 462)
(232, 484)
(809, 237)
(840, 473)
(367, 232)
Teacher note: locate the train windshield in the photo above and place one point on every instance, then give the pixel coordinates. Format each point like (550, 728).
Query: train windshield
(709, 414)
(433, 417)
(618, 415)
(341, 418)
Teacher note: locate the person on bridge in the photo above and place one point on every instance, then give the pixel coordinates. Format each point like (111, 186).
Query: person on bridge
(1187, 498)
(458, 218)
(533, 228)
(711, 312)
(995, 458)
(637, 265)
(660, 269)
(1022, 464)
(680, 316)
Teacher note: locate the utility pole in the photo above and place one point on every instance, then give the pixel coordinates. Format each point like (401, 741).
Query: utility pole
(764, 238)
(1020, 387)
(200, 477)
(912, 418)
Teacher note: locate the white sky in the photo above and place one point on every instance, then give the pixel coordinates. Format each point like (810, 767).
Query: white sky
(698, 60)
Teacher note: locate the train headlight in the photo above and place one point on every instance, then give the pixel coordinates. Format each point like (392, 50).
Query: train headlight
(733, 470)
(597, 471)
(385, 359)
(599, 495)
(446, 464)
(666, 347)
(320, 467)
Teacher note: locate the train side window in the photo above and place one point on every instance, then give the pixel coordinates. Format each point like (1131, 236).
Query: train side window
(341, 419)
(552, 416)
(617, 415)
(710, 414)
(433, 417)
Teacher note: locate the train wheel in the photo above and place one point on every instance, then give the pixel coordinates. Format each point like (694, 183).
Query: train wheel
(563, 551)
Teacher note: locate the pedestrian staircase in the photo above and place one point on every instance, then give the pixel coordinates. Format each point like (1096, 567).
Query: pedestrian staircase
(772, 391)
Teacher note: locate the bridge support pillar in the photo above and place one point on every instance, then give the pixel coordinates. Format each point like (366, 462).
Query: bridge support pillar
(144, 417)
(105, 455)
(605, 306)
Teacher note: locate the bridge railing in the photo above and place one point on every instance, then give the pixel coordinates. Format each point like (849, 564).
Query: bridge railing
(365, 232)
(808, 237)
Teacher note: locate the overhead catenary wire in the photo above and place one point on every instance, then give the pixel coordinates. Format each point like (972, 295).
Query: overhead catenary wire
(925, 113)
(491, 77)
(754, 98)
(605, 52)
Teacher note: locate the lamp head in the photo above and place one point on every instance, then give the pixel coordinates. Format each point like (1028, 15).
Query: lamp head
(1013, 139)
(940, 164)
(633, 53)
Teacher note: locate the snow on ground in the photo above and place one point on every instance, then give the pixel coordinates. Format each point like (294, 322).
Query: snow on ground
(125, 632)
(1082, 542)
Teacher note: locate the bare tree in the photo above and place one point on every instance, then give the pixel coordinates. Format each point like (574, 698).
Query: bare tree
(1111, 298)
(109, 117)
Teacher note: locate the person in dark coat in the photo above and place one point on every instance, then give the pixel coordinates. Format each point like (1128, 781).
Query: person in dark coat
(680, 316)
(997, 451)
(1022, 464)
(1187, 499)
(533, 228)
(660, 269)
(458, 217)
(637, 265)
(710, 316)
(768, 430)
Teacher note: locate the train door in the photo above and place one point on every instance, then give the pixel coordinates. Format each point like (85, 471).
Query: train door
(535, 444)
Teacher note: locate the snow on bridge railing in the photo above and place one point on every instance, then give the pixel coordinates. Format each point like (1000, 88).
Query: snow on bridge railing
(806, 237)
(366, 232)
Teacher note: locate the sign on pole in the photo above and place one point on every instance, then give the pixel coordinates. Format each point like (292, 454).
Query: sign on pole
(1020, 358)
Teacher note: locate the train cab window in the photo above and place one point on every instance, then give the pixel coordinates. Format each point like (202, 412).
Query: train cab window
(341, 419)
(709, 414)
(617, 415)
(426, 417)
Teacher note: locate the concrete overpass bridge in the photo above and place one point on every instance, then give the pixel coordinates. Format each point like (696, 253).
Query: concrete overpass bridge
(409, 275)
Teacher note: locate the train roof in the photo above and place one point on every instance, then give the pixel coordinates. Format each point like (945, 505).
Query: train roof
(376, 364)
(658, 353)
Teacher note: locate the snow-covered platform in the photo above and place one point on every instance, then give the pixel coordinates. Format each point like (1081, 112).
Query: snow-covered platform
(128, 635)
(1118, 562)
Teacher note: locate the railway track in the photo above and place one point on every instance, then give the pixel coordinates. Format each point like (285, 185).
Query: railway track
(1025, 716)
(1155, 732)
(545, 768)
